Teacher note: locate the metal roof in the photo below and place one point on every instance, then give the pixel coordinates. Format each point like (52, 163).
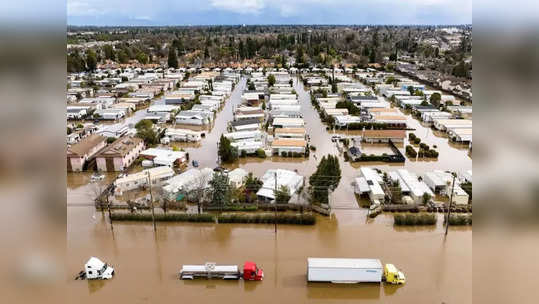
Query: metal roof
(343, 263)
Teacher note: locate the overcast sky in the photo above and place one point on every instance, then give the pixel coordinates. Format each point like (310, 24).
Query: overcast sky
(203, 12)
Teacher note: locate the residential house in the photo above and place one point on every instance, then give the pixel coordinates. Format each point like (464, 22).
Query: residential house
(237, 177)
(245, 125)
(275, 179)
(379, 136)
(119, 155)
(196, 118)
(369, 183)
(288, 145)
(164, 157)
(79, 153)
(140, 179)
(288, 123)
(292, 133)
(184, 135)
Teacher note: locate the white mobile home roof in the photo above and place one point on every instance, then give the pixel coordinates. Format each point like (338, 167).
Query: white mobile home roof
(370, 174)
(417, 188)
(396, 177)
(155, 173)
(290, 122)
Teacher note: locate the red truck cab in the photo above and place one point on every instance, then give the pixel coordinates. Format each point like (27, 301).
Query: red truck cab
(251, 272)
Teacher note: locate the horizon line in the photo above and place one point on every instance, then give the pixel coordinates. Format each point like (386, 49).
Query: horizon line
(261, 24)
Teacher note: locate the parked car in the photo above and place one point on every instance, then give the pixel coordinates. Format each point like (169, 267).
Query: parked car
(97, 177)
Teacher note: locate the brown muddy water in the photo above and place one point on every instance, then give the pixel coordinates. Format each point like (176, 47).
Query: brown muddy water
(438, 269)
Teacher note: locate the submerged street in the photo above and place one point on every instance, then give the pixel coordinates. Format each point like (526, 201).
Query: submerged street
(147, 262)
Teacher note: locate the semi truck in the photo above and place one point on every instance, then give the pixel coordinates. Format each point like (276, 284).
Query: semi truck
(338, 270)
(211, 270)
(95, 269)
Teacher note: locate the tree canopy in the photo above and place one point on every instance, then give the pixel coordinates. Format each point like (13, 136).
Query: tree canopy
(227, 152)
(221, 193)
(172, 58)
(326, 178)
(146, 132)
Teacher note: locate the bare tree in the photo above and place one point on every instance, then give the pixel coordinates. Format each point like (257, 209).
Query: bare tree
(198, 192)
(159, 197)
(100, 199)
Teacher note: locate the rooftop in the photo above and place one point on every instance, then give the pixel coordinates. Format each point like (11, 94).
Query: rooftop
(290, 130)
(85, 145)
(121, 146)
(286, 142)
(384, 133)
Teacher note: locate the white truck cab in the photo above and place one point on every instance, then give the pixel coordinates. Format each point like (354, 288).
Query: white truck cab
(95, 269)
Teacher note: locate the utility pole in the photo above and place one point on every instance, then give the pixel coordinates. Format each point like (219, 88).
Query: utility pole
(450, 201)
(275, 204)
(108, 206)
(151, 199)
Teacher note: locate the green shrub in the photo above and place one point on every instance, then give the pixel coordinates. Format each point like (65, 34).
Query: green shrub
(460, 219)
(417, 140)
(411, 136)
(260, 153)
(169, 217)
(414, 219)
(267, 218)
(313, 148)
(284, 154)
(410, 151)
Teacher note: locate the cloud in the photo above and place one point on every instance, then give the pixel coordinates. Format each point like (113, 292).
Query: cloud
(240, 6)
(178, 12)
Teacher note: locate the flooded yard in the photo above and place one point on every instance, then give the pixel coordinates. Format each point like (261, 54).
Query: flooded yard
(438, 269)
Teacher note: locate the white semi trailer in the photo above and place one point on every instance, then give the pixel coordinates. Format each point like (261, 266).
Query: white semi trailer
(344, 270)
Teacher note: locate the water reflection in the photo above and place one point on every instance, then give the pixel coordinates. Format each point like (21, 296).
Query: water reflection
(95, 285)
(362, 291)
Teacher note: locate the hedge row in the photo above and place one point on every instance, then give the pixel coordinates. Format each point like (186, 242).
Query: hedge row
(233, 208)
(374, 125)
(169, 217)
(268, 218)
(293, 154)
(411, 219)
(460, 219)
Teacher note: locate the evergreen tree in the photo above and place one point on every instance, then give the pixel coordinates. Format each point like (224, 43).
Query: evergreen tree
(91, 60)
(142, 57)
(109, 52)
(282, 195)
(326, 178)
(220, 189)
(271, 80)
(75, 62)
(172, 58)
(123, 57)
(227, 153)
(435, 99)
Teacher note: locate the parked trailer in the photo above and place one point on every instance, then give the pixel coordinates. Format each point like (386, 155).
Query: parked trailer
(210, 270)
(352, 271)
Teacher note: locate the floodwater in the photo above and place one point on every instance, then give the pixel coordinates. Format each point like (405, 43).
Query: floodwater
(438, 269)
